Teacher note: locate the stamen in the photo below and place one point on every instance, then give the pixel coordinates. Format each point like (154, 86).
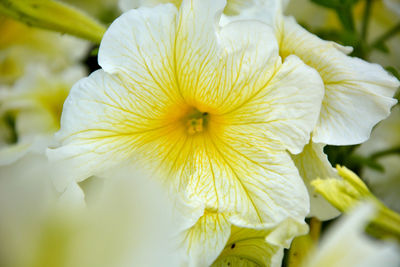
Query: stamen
(196, 121)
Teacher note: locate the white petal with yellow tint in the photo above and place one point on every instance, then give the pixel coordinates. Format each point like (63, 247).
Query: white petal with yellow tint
(248, 248)
(312, 163)
(251, 180)
(205, 240)
(283, 234)
(278, 96)
(37, 98)
(288, 106)
(92, 126)
(12, 153)
(358, 94)
(140, 45)
(212, 109)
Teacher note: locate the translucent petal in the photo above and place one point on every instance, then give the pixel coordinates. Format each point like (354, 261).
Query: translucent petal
(312, 163)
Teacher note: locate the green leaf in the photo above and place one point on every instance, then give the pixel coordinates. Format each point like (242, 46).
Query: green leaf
(52, 15)
(382, 47)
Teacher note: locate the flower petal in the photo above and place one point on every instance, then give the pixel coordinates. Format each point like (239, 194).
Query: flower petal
(250, 179)
(12, 153)
(140, 46)
(288, 105)
(175, 55)
(358, 94)
(247, 247)
(205, 240)
(100, 125)
(312, 163)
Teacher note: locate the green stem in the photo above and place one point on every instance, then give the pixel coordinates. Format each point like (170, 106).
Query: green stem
(315, 229)
(345, 14)
(365, 23)
(386, 36)
(379, 154)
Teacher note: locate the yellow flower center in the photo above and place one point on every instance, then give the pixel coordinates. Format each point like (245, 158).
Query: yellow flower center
(196, 121)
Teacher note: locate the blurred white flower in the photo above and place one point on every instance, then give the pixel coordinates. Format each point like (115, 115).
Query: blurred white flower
(346, 245)
(127, 223)
(22, 46)
(35, 103)
(212, 109)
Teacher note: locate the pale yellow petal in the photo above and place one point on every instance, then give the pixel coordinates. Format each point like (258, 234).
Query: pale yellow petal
(251, 180)
(312, 163)
(205, 240)
(248, 248)
(101, 126)
(358, 94)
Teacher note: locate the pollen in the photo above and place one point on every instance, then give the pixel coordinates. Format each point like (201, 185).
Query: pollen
(196, 121)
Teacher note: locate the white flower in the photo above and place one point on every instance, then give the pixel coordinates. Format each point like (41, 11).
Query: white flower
(212, 109)
(124, 223)
(35, 103)
(22, 46)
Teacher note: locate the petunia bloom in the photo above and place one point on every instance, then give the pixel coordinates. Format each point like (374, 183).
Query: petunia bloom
(214, 110)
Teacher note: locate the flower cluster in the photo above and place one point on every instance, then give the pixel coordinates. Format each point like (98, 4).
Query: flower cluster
(225, 106)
